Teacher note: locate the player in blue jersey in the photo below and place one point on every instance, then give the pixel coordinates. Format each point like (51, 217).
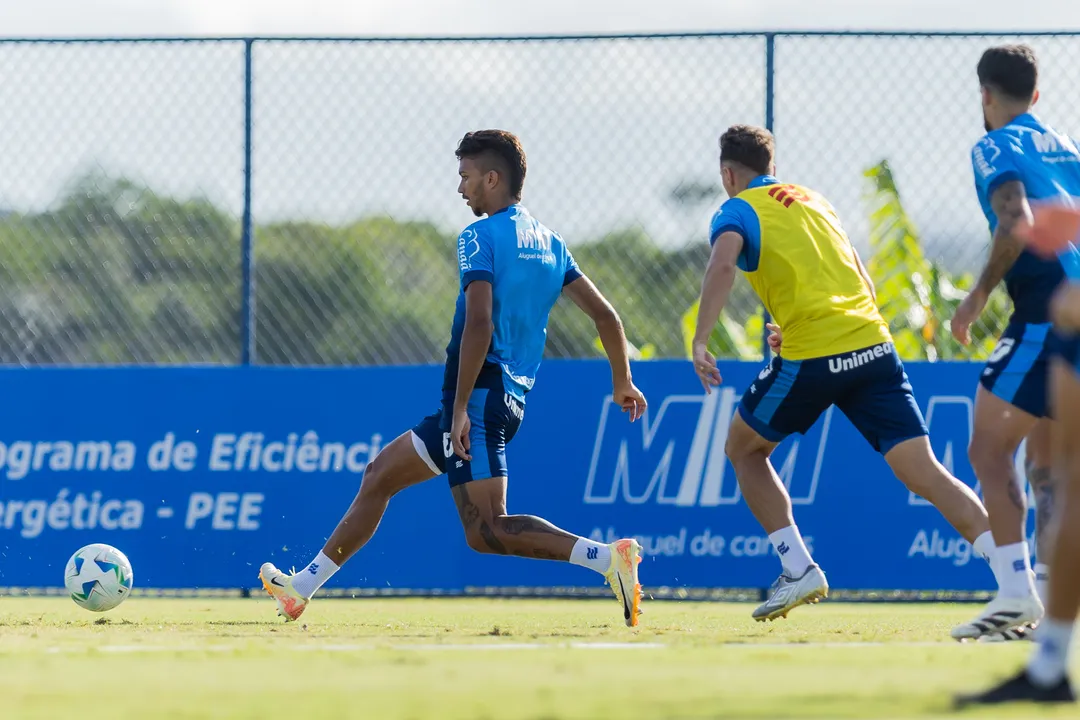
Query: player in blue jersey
(1046, 677)
(1020, 158)
(512, 270)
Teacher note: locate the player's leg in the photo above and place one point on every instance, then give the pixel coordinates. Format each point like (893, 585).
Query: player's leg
(1038, 463)
(489, 528)
(479, 489)
(784, 399)
(1045, 679)
(408, 460)
(1049, 667)
(999, 428)
(881, 405)
(1009, 401)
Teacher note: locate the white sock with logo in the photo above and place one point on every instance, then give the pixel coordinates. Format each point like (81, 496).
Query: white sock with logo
(1051, 659)
(984, 547)
(789, 545)
(1014, 570)
(1042, 581)
(314, 576)
(591, 554)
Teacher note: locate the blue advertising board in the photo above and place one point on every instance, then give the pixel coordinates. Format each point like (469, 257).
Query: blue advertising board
(202, 474)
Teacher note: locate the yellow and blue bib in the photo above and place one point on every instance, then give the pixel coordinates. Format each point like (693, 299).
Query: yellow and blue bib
(801, 264)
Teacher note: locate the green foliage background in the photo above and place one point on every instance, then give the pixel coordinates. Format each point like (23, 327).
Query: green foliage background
(114, 273)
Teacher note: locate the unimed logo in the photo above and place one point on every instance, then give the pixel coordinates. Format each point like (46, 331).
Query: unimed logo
(675, 456)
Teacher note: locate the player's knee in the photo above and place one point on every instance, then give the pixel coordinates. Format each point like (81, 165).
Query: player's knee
(376, 481)
(986, 453)
(739, 451)
(475, 540)
(485, 539)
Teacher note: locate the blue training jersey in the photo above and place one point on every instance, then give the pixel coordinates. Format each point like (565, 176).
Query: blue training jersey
(527, 265)
(1048, 164)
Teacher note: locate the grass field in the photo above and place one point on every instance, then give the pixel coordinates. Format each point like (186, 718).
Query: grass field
(500, 659)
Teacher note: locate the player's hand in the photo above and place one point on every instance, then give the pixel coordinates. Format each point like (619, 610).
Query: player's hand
(1065, 307)
(967, 312)
(705, 367)
(776, 337)
(459, 433)
(630, 399)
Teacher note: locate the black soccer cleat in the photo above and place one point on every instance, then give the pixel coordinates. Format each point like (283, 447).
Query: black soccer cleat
(1020, 689)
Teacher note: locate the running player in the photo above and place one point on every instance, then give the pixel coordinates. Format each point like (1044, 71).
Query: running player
(1019, 158)
(1046, 677)
(835, 348)
(512, 271)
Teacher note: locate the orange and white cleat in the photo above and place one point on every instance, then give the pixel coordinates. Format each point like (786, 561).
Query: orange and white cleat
(622, 576)
(291, 604)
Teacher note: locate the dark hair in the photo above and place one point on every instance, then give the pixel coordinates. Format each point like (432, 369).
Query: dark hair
(1010, 70)
(749, 146)
(500, 151)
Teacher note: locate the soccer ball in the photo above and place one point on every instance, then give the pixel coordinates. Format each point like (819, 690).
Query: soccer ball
(98, 577)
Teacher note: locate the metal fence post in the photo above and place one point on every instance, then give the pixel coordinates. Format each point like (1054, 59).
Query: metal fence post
(770, 76)
(247, 256)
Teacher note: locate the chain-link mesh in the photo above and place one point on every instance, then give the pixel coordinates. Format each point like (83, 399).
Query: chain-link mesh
(355, 181)
(884, 126)
(122, 184)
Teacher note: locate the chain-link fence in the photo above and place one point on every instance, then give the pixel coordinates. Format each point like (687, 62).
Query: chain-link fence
(141, 179)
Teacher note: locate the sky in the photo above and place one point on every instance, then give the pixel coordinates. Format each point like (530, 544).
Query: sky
(611, 128)
(417, 17)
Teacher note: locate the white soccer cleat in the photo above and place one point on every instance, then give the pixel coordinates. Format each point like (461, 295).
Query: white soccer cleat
(291, 604)
(787, 593)
(1019, 633)
(1001, 615)
(622, 576)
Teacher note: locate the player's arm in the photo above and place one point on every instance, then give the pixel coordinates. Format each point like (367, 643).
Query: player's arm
(715, 291)
(609, 326)
(475, 341)
(1010, 205)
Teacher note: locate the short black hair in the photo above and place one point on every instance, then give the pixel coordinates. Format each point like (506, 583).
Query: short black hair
(1010, 70)
(750, 146)
(501, 151)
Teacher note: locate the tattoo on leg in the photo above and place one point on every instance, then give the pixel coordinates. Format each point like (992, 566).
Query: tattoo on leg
(467, 510)
(1016, 495)
(1042, 486)
(536, 554)
(517, 524)
(489, 537)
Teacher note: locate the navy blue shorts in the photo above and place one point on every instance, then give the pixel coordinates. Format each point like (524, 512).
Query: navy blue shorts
(1019, 367)
(495, 418)
(869, 386)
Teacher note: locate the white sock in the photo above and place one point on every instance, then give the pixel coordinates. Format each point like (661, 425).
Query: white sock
(792, 550)
(1051, 659)
(315, 575)
(984, 546)
(1042, 581)
(591, 554)
(1014, 570)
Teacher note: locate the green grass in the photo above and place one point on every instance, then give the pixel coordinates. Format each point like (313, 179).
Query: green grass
(402, 658)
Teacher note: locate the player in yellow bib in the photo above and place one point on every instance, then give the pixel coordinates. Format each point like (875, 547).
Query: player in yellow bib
(834, 348)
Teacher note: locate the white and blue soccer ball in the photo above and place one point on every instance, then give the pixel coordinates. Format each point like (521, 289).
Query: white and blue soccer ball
(98, 577)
